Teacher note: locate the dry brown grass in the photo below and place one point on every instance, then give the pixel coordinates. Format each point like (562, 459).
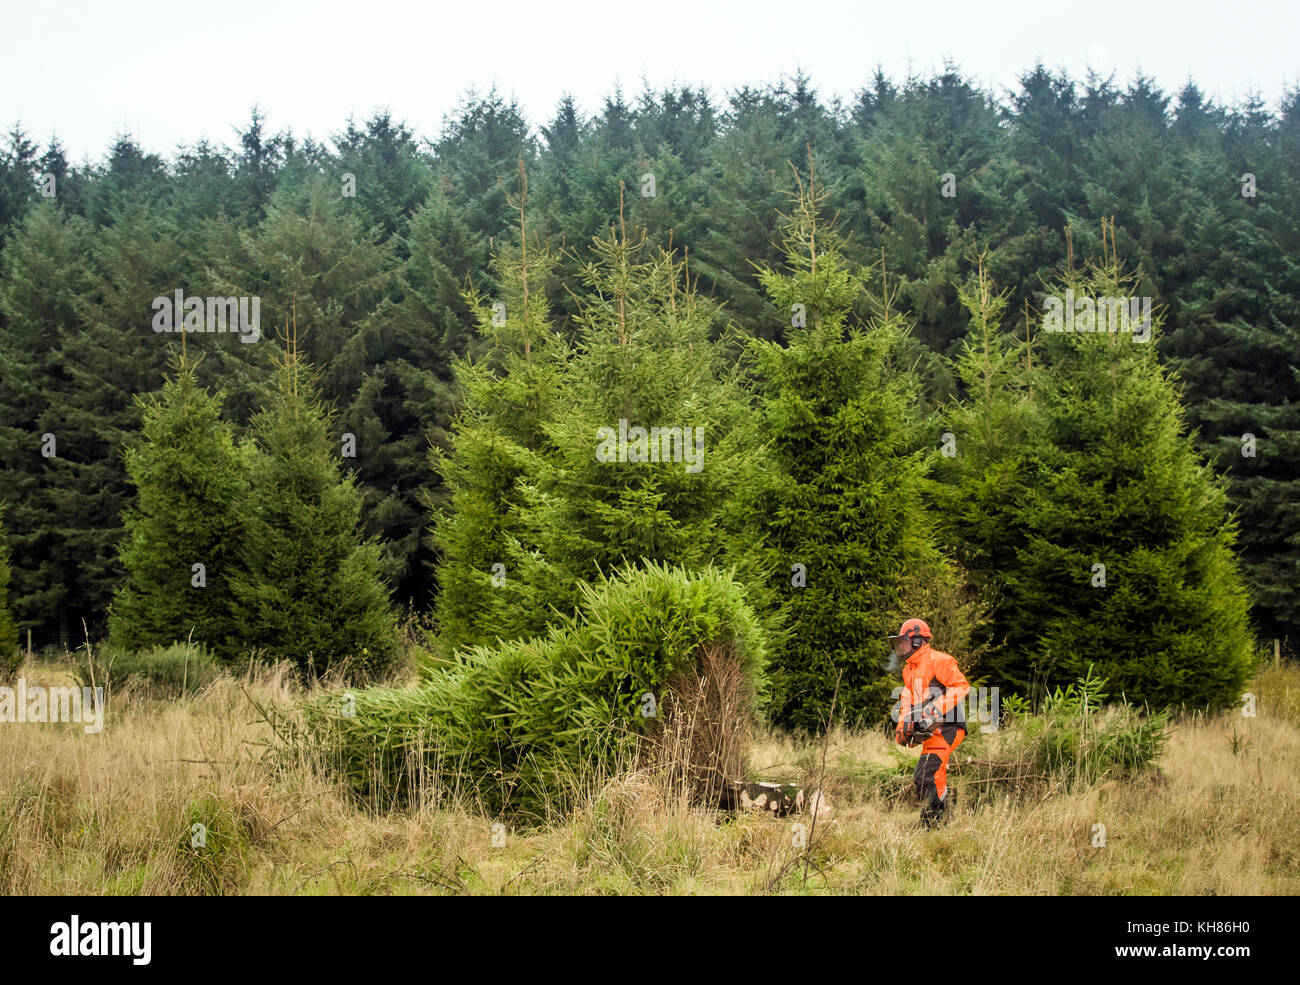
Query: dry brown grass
(112, 813)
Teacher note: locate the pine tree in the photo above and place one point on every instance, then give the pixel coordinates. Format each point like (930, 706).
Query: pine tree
(575, 204)
(183, 535)
(113, 356)
(391, 178)
(560, 194)
(204, 186)
(743, 189)
(1233, 297)
(17, 179)
(478, 154)
(309, 588)
(900, 199)
(839, 497)
(314, 248)
(1047, 144)
(261, 156)
(532, 493)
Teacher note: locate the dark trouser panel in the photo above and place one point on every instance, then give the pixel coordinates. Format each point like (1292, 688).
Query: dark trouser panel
(931, 776)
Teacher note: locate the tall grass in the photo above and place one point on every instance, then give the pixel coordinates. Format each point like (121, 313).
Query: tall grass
(114, 813)
(1076, 738)
(173, 671)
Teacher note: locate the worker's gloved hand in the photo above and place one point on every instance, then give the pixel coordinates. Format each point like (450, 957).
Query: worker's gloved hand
(907, 732)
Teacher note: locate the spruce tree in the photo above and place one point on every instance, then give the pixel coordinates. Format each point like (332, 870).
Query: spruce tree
(309, 588)
(1108, 537)
(983, 467)
(315, 248)
(43, 279)
(839, 495)
(915, 190)
(392, 179)
(542, 497)
(404, 393)
(18, 161)
(743, 196)
(648, 449)
(1234, 290)
(10, 656)
(112, 356)
(510, 392)
(182, 534)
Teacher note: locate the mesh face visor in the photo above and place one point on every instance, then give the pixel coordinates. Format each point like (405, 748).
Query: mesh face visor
(904, 645)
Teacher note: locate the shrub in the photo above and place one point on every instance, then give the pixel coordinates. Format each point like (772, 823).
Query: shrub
(212, 846)
(168, 671)
(1075, 738)
(11, 658)
(660, 668)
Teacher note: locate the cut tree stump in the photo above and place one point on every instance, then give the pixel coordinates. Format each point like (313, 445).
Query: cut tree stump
(777, 799)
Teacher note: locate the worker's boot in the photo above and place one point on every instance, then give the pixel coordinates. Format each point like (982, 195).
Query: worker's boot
(932, 812)
(938, 812)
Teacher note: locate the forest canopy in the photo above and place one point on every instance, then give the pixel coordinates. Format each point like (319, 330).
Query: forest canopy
(387, 251)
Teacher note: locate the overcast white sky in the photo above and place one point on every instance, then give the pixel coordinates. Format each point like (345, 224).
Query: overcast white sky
(170, 71)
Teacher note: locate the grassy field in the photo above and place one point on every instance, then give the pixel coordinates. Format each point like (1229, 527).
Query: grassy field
(113, 813)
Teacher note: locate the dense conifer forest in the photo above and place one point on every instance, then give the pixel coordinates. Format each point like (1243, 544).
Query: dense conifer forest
(845, 297)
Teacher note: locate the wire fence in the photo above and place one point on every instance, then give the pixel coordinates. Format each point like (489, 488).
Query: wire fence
(1278, 651)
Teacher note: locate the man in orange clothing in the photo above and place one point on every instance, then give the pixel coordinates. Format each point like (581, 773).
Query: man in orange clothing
(931, 713)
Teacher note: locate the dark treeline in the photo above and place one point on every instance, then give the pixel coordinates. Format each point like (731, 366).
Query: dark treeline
(377, 238)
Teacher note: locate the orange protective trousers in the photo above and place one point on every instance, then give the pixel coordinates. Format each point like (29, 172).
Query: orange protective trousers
(931, 777)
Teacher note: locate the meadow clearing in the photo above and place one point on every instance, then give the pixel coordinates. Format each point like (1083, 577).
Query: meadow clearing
(114, 813)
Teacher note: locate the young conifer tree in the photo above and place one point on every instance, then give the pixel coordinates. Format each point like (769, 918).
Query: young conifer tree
(648, 449)
(510, 394)
(981, 468)
(309, 590)
(1108, 537)
(183, 535)
(840, 495)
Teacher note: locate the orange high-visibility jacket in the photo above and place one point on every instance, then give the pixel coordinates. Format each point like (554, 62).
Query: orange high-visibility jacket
(932, 677)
